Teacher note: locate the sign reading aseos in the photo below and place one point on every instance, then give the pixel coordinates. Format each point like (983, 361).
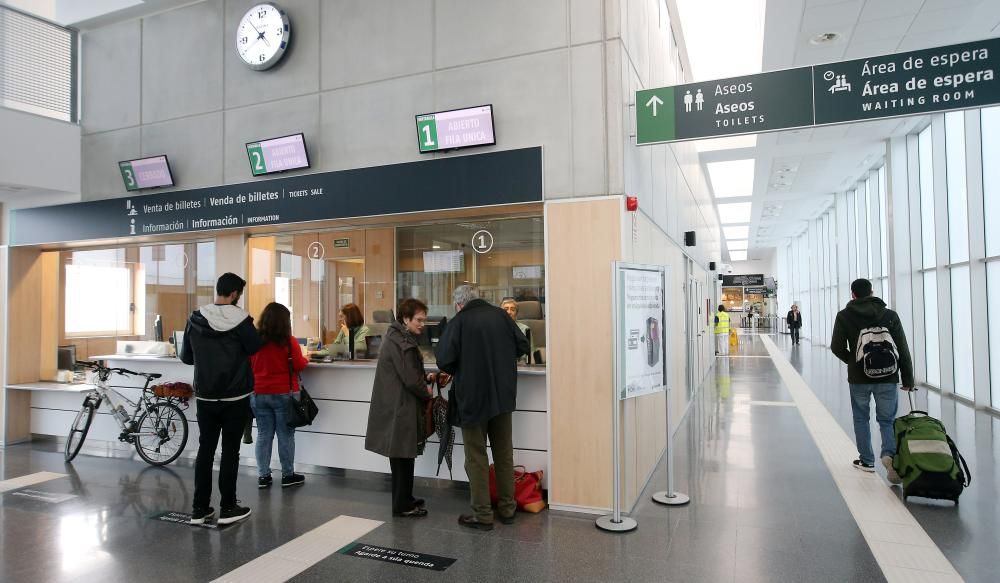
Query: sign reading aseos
(278, 154)
(458, 128)
(953, 77)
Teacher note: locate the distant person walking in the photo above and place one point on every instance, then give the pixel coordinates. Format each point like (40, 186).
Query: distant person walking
(218, 340)
(276, 369)
(869, 338)
(396, 416)
(794, 319)
(480, 348)
(722, 325)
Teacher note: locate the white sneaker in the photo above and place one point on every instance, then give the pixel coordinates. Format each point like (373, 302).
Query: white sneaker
(890, 472)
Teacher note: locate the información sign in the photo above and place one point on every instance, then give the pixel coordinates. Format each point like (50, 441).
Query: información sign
(918, 82)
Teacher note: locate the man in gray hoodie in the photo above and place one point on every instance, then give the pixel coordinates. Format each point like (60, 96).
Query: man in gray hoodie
(218, 341)
(865, 311)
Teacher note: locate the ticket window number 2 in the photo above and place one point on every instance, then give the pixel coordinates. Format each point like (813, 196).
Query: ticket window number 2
(258, 161)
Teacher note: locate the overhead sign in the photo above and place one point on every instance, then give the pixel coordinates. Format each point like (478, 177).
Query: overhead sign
(278, 155)
(640, 297)
(146, 173)
(743, 280)
(917, 82)
(507, 177)
(755, 290)
(458, 128)
(397, 556)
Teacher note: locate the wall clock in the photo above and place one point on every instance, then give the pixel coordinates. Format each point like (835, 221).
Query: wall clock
(262, 36)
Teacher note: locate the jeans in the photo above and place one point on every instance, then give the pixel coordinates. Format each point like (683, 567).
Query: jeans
(402, 484)
(500, 432)
(270, 411)
(886, 400)
(215, 418)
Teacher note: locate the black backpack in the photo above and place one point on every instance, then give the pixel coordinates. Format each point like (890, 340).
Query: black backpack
(876, 352)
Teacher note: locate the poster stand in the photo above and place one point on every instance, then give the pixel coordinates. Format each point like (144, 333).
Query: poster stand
(639, 295)
(670, 497)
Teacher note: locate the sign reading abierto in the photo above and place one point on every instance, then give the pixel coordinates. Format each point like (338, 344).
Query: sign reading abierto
(953, 77)
(640, 297)
(278, 155)
(146, 173)
(458, 128)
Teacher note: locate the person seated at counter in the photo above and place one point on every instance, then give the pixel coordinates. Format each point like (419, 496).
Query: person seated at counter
(399, 394)
(353, 331)
(510, 306)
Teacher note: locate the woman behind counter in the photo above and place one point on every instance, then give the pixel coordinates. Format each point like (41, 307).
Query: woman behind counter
(276, 370)
(397, 408)
(353, 331)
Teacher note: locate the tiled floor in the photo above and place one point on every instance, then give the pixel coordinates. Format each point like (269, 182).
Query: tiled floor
(764, 508)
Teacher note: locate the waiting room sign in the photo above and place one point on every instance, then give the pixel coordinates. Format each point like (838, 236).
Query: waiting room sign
(954, 77)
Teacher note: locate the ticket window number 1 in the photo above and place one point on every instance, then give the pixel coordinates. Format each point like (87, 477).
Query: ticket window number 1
(482, 241)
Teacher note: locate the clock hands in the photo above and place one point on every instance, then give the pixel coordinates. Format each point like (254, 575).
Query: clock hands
(260, 35)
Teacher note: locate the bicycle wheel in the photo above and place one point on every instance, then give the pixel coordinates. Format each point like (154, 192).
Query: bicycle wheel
(78, 431)
(162, 433)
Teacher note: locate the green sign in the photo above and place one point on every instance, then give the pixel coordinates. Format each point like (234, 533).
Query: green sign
(128, 175)
(257, 164)
(954, 77)
(341, 243)
(427, 133)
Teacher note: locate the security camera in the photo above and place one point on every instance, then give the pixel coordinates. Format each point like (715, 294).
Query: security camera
(726, 269)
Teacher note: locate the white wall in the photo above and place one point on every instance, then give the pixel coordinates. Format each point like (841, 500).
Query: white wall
(46, 155)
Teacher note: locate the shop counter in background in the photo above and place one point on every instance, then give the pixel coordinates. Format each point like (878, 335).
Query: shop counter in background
(342, 391)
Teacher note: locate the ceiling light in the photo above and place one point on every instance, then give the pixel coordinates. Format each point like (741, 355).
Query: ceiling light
(740, 22)
(824, 38)
(737, 245)
(730, 143)
(734, 213)
(731, 178)
(736, 232)
(436, 247)
(737, 255)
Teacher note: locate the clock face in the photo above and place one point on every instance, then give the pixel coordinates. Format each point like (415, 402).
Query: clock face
(262, 36)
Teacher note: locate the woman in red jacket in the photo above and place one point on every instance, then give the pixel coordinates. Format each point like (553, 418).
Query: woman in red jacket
(276, 380)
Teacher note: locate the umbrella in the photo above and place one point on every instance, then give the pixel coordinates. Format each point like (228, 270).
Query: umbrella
(445, 432)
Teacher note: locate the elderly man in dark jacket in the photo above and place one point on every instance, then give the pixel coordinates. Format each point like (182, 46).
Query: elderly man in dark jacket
(479, 349)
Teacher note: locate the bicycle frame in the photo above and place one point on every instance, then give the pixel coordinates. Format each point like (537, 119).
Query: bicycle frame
(103, 392)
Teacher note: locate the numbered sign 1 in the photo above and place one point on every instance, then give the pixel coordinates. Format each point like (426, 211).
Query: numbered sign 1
(482, 241)
(316, 250)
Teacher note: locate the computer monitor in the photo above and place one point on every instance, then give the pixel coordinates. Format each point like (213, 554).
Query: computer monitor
(433, 330)
(66, 357)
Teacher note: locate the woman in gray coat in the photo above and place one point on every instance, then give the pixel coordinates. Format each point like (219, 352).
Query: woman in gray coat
(396, 416)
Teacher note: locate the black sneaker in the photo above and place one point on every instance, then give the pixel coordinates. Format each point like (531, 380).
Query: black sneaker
(506, 519)
(858, 464)
(234, 514)
(265, 482)
(293, 480)
(202, 516)
(419, 502)
(470, 521)
(417, 512)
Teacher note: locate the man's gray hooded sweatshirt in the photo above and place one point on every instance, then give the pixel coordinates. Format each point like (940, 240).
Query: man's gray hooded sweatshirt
(218, 341)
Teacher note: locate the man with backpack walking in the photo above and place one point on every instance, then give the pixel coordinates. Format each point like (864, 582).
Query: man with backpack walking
(869, 338)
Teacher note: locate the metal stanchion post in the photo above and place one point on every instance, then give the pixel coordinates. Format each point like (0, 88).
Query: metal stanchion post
(670, 497)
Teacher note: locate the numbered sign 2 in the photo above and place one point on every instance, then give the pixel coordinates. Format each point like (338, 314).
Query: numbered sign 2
(316, 250)
(482, 241)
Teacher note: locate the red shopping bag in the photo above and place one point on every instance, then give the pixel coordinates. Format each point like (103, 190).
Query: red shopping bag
(527, 489)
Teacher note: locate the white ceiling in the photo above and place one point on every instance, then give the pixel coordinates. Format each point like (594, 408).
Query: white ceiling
(798, 172)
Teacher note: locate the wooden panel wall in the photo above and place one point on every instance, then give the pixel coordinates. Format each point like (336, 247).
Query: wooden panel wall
(260, 278)
(380, 271)
(579, 303)
(23, 356)
(3, 335)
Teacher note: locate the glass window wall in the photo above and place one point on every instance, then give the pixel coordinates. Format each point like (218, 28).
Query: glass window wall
(932, 354)
(958, 200)
(926, 153)
(961, 331)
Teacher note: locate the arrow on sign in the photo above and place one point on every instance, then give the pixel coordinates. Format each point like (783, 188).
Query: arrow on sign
(654, 101)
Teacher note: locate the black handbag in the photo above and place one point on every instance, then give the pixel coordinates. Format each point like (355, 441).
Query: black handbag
(301, 411)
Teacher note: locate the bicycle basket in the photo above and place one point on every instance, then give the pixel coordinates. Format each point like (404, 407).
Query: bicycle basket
(176, 390)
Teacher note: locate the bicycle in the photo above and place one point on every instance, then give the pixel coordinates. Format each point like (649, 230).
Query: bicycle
(157, 427)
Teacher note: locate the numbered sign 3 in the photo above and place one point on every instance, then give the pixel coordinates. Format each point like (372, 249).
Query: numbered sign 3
(482, 241)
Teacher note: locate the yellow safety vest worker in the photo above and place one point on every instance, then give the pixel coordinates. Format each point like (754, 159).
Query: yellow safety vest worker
(722, 326)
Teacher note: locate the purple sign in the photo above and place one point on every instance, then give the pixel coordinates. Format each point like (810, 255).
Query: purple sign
(458, 128)
(146, 173)
(278, 155)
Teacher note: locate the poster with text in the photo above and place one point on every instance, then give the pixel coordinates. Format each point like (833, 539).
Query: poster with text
(641, 362)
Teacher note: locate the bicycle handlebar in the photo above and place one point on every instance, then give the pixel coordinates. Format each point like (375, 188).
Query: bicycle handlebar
(121, 371)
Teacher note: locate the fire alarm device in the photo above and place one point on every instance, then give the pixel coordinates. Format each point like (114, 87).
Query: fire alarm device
(632, 203)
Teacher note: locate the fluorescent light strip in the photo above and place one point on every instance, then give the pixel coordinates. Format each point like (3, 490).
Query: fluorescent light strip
(742, 232)
(734, 213)
(731, 178)
(737, 255)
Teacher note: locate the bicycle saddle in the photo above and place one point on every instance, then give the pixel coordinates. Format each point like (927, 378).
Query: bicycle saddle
(152, 375)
